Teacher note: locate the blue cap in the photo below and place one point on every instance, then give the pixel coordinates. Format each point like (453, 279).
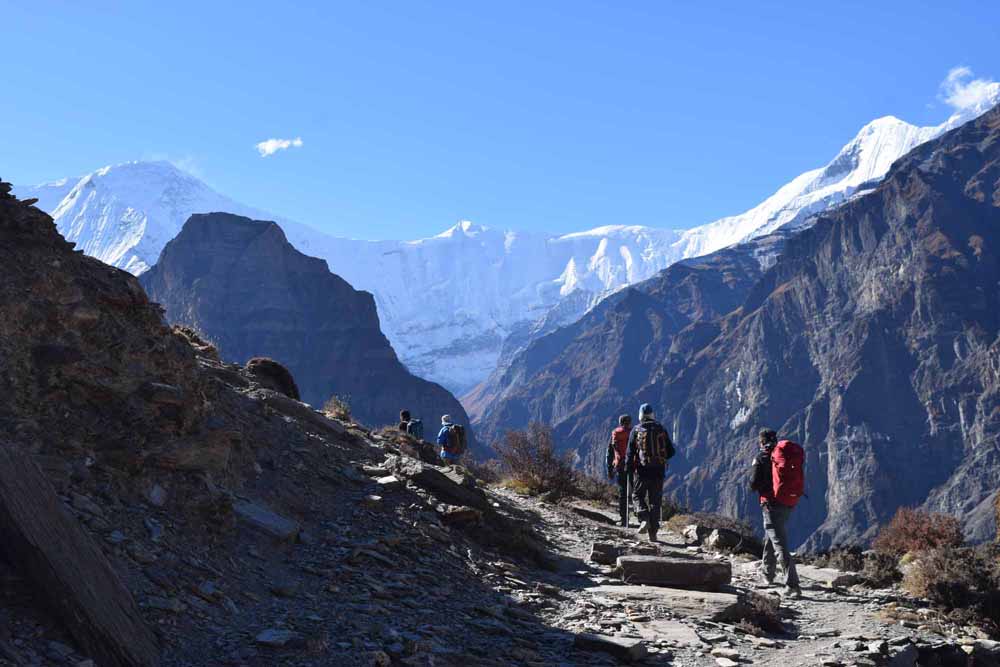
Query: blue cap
(645, 409)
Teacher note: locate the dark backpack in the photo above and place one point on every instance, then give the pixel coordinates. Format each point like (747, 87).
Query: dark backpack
(456, 440)
(652, 445)
(415, 427)
(760, 474)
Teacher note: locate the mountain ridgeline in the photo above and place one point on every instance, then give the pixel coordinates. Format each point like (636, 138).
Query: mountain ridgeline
(871, 338)
(240, 283)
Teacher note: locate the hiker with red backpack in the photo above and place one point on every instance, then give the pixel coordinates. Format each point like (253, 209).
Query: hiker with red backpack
(649, 448)
(778, 475)
(451, 437)
(617, 451)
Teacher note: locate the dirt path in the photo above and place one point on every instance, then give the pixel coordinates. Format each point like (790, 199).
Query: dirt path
(828, 626)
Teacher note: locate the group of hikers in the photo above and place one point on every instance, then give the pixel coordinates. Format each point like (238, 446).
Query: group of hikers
(637, 456)
(451, 438)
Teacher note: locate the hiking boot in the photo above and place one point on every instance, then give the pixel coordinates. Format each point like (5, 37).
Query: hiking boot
(792, 593)
(623, 523)
(652, 537)
(643, 527)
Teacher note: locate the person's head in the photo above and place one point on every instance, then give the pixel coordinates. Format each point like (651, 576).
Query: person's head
(768, 437)
(625, 421)
(445, 419)
(645, 411)
(404, 415)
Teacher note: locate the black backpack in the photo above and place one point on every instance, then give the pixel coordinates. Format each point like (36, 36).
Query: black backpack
(415, 427)
(456, 440)
(760, 474)
(653, 445)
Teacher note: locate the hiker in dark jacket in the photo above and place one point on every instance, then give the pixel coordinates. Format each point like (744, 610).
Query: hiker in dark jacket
(617, 454)
(776, 507)
(649, 447)
(404, 421)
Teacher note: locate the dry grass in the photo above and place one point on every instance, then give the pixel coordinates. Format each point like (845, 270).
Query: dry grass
(529, 461)
(760, 616)
(849, 559)
(338, 407)
(913, 530)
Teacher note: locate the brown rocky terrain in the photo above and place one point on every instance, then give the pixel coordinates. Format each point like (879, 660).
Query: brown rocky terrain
(243, 527)
(872, 338)
(241, 284)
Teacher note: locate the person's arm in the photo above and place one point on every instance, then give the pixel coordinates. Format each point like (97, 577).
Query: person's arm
(610, 462)
(442, 438)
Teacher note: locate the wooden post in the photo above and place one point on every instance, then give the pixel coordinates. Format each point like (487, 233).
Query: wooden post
(51, 549)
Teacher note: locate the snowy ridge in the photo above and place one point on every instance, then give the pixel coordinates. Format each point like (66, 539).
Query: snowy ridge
(448, 302)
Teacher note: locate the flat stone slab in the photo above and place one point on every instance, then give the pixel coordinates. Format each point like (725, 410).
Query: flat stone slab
(261, 517)
(700, 605)
(668, 630)
(675, 572)
(594, 514)
(620, 647)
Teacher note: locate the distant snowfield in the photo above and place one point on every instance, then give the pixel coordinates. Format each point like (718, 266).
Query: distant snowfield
(448, 302)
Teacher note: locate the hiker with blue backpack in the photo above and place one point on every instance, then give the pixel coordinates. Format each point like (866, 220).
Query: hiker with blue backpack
(452, 440)
(777, 475)
(649, 448)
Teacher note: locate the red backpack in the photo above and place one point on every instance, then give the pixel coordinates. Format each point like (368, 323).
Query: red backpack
(619, 438)
(788, 468)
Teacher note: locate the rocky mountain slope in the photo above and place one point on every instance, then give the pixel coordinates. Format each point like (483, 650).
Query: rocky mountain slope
(873, 340)
(240, 283)
(243, 528)
(450, 304)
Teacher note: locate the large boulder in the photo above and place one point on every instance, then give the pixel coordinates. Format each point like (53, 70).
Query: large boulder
(448, 485)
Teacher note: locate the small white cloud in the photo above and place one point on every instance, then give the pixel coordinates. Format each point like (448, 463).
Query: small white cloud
(272, 146)
(960, 90)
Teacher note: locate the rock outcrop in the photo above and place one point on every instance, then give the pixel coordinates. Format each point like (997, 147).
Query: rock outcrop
(872, 338)
(241, 284)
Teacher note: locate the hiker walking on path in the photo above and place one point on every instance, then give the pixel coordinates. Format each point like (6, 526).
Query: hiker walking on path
(778, 476)
(451, 438)
(617, 451)
(413, 427)
(649, 448)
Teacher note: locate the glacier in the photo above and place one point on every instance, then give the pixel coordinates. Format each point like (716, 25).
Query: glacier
(455, 304)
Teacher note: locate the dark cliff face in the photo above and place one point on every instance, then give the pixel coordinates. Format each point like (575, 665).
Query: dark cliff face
(244, 286)
(873, 340)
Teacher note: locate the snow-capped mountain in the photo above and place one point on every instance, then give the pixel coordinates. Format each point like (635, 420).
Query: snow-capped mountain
(447, 303)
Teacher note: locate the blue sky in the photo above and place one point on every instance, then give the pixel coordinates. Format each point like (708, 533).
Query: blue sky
(555, 116)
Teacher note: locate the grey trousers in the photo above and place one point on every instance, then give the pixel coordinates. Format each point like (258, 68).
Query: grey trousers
(776, 550)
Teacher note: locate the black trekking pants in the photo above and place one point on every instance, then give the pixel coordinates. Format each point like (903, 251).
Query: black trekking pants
(623, 489)
(649, 496)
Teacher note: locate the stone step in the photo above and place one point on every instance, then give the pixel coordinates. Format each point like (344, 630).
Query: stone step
(698, 605)
(675, 572)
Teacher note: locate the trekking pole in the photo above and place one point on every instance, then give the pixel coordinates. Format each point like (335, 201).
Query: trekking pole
(628, 499)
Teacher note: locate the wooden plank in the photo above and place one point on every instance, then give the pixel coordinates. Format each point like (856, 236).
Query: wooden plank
(51, 550)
